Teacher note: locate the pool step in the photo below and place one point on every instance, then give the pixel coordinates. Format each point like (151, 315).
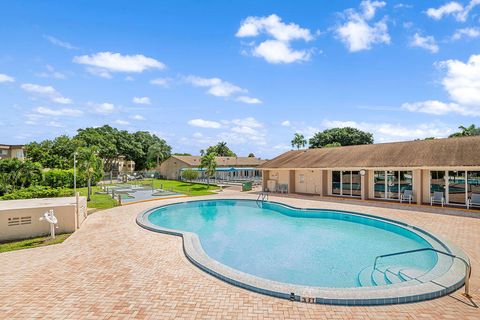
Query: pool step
(386, 275)
(364, 278)
(392, 274)
(410, 273)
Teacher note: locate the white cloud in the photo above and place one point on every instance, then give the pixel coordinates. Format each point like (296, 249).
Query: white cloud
(357, 34)
(122, 122)
(204, 123)
(462, 83)
(278, 49)
(384, 132)
(138, 117)
(247, 122)
(248, 100)
(286, 123)
(466, 33)
(216, 86)
(273, 26)
(102, 63)
(102, 108)
(141, 100)
(102, 73)
(427, 43)
(51, 73)
(60, 43)
(46, 91)
(453, 8)
(275, 51)
(237, 131)
(59, 112)
(162, 82)
(435, 107)
(6, 78)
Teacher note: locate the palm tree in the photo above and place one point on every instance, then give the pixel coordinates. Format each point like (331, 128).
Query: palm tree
(209, 163)
(299, 141)
(157, 151)
(90, 163)
(471, 130)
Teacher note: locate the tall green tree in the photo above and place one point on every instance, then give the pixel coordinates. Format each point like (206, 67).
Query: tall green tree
(221, 150)
(471, 130)
(90, 164)
(209, 164)
(16, 174)
(158, 152)
(344, 136)
(298, 141)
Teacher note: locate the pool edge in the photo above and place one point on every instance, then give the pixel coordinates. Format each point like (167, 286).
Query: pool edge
(406, 292)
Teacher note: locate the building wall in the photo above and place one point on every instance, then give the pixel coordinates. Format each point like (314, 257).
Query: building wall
(170, 168)
(21, 223)
(11, 152)
(317, 181)
(312, 181)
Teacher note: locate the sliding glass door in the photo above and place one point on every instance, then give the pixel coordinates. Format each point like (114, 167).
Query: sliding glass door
(391, 184)
(346, 183)
(456, 186)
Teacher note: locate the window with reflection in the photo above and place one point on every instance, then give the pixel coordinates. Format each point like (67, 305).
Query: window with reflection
(379, 184)
(437, 181)
(336, 183)
(392, 184)
(356, 184)
(346, 183)
(456, 186)
(473, 182)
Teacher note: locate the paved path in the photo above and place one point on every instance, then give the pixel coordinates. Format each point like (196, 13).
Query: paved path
(111, 268)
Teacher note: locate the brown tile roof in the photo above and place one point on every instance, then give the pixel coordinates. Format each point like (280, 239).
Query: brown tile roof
(223, 161)
(424, 153)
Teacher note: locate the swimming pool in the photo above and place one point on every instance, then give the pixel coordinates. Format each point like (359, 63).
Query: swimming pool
(271, 244)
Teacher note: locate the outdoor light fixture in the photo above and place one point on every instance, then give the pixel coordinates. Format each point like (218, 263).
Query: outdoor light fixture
(362, 172)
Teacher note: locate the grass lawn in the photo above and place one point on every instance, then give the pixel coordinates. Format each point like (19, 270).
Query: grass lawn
(32, 243)
(190, 189)
(98, 201)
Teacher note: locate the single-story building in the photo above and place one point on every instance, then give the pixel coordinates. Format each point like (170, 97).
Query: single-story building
(12, 151)
(382, 171)
(228, 168)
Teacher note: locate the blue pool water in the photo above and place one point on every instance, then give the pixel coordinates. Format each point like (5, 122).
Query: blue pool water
(315, 247)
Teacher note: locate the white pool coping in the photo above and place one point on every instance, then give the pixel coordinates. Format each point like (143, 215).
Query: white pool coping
(444, 278)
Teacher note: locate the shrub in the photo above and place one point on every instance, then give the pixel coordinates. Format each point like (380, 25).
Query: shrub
(58, 178)
(38, 192)
(189, 174)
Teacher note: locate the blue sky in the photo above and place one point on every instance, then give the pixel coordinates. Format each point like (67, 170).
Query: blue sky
(251, 73)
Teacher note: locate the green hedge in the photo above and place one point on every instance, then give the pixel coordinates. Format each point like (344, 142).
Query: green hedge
(58, 178)
(38, 192)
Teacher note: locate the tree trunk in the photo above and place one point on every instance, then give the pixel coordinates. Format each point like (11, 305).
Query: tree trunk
(89, 185)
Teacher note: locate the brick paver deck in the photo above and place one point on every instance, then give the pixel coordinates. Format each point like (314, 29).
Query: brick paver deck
(112, 268)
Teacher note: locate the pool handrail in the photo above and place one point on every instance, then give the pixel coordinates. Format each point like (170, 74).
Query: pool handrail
(468, 267)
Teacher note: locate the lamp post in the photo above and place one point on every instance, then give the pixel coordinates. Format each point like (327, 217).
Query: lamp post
(75, 173)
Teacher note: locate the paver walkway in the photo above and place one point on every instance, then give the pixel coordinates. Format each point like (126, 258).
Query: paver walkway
(111, 268)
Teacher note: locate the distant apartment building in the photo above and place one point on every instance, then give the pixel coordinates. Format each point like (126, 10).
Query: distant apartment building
(121, 165)
(11, 151)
